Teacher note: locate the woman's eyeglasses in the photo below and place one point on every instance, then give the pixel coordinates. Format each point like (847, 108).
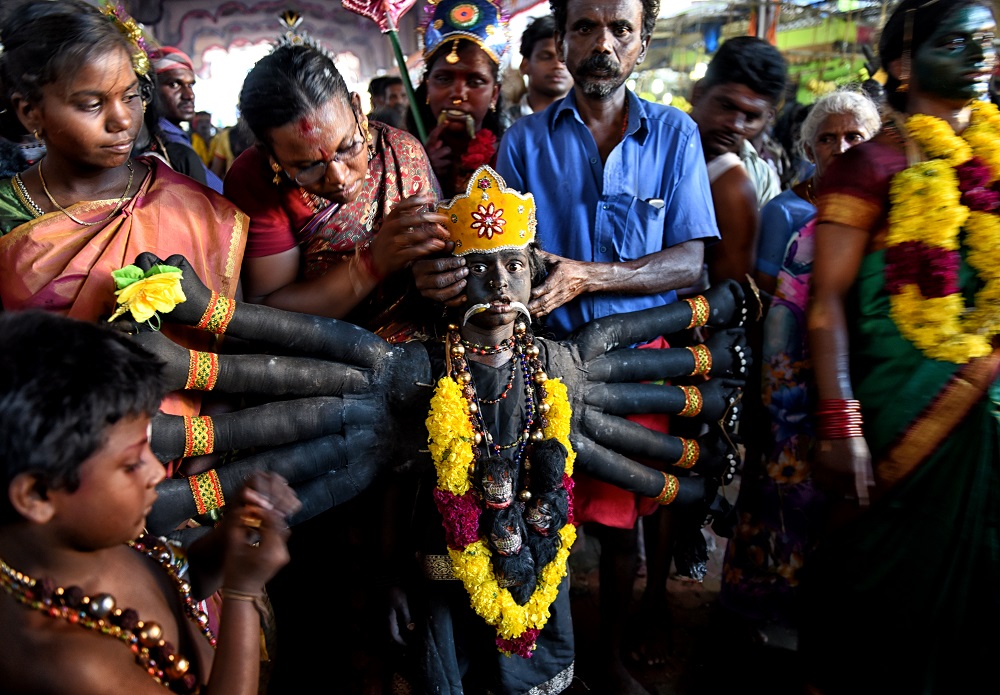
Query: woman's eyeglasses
(317, 171)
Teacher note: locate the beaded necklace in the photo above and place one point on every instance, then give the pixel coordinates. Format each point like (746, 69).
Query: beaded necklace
(477, 349)
(533, 371)
(101, 614)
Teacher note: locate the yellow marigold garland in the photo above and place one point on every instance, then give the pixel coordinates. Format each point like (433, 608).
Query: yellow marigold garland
(926, 208)
(450, 438)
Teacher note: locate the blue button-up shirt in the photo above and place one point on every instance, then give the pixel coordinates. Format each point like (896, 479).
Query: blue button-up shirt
(651, 193)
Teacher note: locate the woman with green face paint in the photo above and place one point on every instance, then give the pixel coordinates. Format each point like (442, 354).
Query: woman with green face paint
(902, 324)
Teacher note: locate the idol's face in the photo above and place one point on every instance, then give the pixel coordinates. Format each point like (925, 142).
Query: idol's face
(956, 61)
(497, 279)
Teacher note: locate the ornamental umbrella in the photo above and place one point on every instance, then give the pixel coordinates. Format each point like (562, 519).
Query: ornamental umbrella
(386, 14)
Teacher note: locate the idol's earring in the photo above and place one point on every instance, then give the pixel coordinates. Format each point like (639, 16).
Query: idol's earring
(276, 168)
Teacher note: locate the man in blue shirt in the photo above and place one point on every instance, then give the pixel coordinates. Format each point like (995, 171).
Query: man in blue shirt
(624, 210)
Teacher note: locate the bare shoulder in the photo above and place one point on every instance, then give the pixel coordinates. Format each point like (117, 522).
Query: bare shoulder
(734, 187)
(44, 655)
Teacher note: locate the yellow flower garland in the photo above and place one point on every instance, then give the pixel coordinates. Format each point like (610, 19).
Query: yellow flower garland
(926, 208)
(450, 438)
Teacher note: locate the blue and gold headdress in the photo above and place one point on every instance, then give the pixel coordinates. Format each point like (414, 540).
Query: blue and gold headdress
(479, 21)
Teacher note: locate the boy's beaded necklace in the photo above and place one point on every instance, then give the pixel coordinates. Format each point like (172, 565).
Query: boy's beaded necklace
(101, 614)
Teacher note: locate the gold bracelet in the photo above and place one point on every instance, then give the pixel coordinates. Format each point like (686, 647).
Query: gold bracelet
(702, 360)
(207, 491)
(690, 455)
(699, 311)
(256, 599)
(199, 435)
(693, 401)
(218, 314)
(669, 492)
(203, 371)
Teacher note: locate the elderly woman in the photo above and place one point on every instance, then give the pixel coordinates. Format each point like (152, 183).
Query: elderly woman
(464, 45)
(778, 505)
(338, 204)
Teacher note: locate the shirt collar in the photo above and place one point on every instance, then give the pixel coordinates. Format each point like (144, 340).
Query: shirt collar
(636, 113)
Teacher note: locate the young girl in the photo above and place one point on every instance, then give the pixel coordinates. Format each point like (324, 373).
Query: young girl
(71, 74)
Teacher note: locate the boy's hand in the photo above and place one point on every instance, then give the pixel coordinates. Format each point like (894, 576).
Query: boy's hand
(257, 532)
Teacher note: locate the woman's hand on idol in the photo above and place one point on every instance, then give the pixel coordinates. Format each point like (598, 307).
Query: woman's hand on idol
(442, 279)
(411, 231)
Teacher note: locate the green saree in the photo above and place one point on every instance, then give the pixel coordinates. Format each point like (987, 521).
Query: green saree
(906, 599)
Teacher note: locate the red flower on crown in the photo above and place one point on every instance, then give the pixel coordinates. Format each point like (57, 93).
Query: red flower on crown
(489, 221)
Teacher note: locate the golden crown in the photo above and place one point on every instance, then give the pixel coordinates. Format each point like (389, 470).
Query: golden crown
(489, 217)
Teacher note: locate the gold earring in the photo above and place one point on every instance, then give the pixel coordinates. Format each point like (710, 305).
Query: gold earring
(493, 106)
(276, 168)
(36, 135)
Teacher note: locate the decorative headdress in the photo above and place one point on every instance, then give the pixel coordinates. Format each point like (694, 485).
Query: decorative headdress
(479, 21)
(132, 31)
(489, 217)
(290, 20)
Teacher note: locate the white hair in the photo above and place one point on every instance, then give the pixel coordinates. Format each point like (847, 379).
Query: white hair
(842, 101)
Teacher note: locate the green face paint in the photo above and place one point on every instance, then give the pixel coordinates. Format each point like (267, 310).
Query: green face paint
(957, 60)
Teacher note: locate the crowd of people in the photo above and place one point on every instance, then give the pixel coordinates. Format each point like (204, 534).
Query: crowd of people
(260, 385)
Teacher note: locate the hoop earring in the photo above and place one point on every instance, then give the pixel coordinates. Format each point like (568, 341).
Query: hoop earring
(904, 67)
(276, 168)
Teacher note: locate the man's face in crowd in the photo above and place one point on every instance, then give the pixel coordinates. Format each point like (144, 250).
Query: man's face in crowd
(602, 44)
(177, 94)
(727, 114)
(546, 72)
(395, 96)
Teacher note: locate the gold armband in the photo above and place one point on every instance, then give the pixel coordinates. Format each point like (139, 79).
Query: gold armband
(207, 491)
(203, 371)
(218, 314)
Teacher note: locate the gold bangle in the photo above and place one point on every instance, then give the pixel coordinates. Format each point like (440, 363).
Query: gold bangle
(702, 360)
(691, 453)
(203, 371)
(669, 492)
(207, 491)
(693, 401)
(199, 435)
(699, 311)
(218, 314)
